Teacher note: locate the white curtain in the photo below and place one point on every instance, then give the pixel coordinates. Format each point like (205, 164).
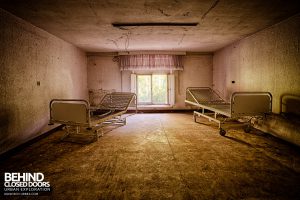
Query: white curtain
(133, 83)
(171, 80)
(150, 62)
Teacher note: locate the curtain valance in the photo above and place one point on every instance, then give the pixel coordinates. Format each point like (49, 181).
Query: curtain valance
(150, 62)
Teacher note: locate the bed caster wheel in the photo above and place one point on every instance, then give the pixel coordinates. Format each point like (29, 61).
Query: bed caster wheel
(222, 132)
(95, 138)
(247, 129)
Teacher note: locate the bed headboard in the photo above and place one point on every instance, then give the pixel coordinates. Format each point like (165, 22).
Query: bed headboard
(204, 95)
(117, 100)
(69, 111)
(251, 104)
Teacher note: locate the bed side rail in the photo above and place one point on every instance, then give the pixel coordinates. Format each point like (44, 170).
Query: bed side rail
(204, 95)
(70, 111)
(251, 104)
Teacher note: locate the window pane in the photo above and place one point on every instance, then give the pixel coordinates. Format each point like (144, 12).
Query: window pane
(159, 89)
(144, 88)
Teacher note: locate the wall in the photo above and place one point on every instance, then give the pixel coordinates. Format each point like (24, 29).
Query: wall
(266, 61)
(104, 73)
(29, 55)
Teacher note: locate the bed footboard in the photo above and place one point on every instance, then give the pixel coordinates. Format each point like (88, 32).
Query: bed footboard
(75, 115)
(251, 104)
(70, 111)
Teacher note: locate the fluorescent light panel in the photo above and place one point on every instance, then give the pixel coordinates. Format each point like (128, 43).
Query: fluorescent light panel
(156, 24)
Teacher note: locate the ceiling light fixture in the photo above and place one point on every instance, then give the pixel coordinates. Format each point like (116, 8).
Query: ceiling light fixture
(118, 25)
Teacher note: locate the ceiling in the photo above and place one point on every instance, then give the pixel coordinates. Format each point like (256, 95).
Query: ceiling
(88, 23)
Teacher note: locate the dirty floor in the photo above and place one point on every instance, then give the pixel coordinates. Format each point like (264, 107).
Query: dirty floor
(165, 156)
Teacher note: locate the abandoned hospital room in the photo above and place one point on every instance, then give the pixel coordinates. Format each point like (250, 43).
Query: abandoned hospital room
(150, 99)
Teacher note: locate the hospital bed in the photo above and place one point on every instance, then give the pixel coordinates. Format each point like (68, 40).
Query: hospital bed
(80, 118)
(242, 104)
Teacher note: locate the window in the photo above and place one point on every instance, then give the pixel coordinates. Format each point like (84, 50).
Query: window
(152, 89)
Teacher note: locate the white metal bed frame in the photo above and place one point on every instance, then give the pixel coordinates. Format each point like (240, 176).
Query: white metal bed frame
(81, 119)
(242, 104)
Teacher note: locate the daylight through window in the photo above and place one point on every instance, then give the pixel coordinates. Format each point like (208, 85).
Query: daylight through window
(152, 89)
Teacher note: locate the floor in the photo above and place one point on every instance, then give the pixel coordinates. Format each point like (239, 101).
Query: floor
(165, 156)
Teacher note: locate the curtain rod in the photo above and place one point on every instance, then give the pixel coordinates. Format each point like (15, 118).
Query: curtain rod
(152, 52)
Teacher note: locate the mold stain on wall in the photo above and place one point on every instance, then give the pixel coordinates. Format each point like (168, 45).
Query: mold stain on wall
(35, 68)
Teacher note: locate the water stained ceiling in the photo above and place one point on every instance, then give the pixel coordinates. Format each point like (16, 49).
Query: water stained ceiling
(88, 23)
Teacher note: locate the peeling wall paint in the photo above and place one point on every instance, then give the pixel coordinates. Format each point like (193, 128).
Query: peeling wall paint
(35, 68)
(266, 61)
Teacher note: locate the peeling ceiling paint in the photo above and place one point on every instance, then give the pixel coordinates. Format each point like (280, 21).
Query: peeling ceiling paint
(88, 23)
